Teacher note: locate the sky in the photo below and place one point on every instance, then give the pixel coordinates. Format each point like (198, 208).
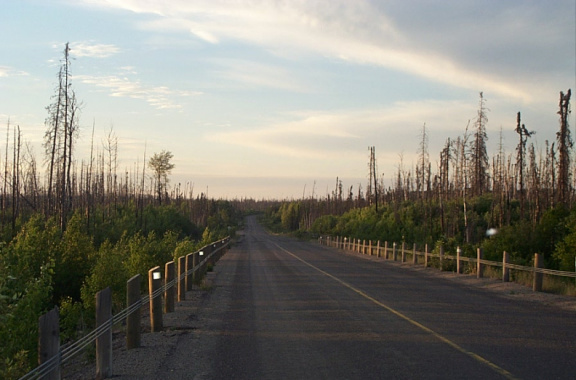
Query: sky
(279, 98)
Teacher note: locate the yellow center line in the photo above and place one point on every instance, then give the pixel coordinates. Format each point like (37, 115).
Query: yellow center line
(442, 338)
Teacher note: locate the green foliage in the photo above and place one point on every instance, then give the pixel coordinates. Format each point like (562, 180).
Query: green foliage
(431, 223)
(14, 367)
(22, 305)
(517, 240)
(162, 219)
(74, 259)
(126, 219)
(34, 246)
(565, 253)
(183, 248)
(26, 290)
(109, 270)
(325, 224)
(223, 220)
(71, 318)
(271, 219)
(555, 226)
(290, 216)
(207, 236)
(146, 252)
(43, 266)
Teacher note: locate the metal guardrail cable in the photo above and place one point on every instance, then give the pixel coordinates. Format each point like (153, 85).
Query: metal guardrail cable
(43, 369)
(329, 241)
(71, 350)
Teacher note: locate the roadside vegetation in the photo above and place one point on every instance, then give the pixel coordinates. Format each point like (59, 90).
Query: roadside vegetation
(80, 227)
(525, 199)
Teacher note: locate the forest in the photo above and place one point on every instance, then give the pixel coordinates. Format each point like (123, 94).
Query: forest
(70, 228)
(76, 228)
(526, 196)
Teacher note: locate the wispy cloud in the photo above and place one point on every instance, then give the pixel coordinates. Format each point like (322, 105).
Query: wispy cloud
(94, 50)
(160, 97)
(333, 135)
(258, 75)
(360, 32)
(6, 71)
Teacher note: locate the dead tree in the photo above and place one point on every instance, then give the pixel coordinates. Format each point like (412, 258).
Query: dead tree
(478, 153)
(523, 134)
(423, 168)
(564, 148)
(62, 129)
(372, 192)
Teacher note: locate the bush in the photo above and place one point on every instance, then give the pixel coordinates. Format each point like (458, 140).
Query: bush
(108, 271)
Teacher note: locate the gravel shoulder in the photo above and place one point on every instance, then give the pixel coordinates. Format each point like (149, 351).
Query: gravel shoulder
(197, 320)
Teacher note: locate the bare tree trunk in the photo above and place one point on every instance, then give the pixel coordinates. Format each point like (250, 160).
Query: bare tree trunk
(564, 148)
(5, 190)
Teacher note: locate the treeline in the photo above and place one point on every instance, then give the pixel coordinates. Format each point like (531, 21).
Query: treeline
(527, 196)
(80, 226)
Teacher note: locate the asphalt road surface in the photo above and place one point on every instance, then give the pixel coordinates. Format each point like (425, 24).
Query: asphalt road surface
(297, 310)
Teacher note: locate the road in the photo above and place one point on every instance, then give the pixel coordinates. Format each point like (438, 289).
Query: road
(295, 310)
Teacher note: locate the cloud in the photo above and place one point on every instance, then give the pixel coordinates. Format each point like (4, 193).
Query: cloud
(389, 35)
(6, 71)
(89, 49)
(159, 97)
(256, 74)
(292, 139)
(346, 133)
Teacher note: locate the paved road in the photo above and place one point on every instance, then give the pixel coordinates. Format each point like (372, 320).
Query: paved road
(296, 310)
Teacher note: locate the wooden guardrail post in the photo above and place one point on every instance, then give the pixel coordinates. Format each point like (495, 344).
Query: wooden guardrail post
(426, 256)
(505, 269)
(169, 292)
(133, 319)
(479, 265)
(458, 262)
(207, 251)
(378, 253)
(394, 251)
(198, 258)
(181, 278)
(441, 257)
(154, 284)
(537, 283)
(49, 341)
(104, 341)
(414, 256)
(386, 250)
(189, 275)
(370, 247)
(403, 252)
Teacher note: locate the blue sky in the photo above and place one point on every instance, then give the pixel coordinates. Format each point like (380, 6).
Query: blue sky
(277, 98)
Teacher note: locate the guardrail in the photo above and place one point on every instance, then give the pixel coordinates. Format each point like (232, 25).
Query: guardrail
(51, 356)
(387, 252)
